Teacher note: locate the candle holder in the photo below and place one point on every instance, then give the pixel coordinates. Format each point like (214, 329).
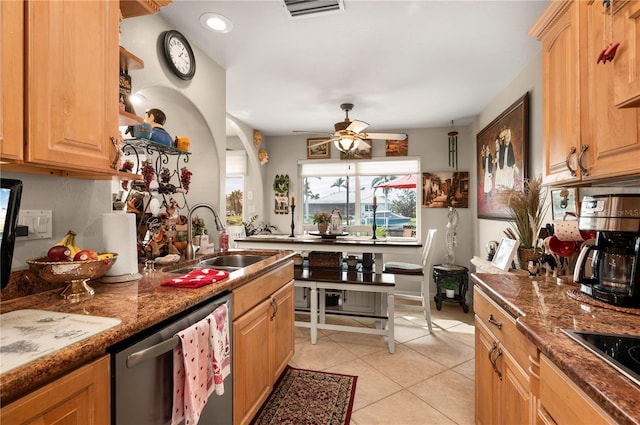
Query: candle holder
(373, 226)
(293, 226)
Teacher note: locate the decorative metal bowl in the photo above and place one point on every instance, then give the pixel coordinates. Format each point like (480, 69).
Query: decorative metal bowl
(75, 273)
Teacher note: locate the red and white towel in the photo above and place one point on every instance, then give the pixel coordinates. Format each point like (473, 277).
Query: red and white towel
(220, 347)
(200, 364)
(197, 278)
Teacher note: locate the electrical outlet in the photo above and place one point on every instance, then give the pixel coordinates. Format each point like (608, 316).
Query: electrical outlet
(39, 222)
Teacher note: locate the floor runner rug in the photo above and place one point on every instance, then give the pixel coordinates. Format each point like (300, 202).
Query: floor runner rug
(307, 397)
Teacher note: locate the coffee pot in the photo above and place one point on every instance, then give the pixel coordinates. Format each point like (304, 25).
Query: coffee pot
(607, 268)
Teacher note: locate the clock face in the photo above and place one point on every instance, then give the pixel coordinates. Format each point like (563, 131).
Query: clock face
(179, 55)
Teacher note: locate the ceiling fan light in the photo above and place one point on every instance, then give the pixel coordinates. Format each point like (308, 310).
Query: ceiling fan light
(346, 144)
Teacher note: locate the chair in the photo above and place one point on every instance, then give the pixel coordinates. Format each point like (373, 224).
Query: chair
(416, 272)
(235, 232)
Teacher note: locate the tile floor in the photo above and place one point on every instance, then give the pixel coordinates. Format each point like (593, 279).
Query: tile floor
(429, 379)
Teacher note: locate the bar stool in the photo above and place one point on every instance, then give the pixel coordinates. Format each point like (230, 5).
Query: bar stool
(416, 272)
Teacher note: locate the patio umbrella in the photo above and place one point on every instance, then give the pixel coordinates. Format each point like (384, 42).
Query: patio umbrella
(405, 182)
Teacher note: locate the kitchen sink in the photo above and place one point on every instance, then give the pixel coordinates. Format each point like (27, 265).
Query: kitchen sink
(228, 263)
(233, 260)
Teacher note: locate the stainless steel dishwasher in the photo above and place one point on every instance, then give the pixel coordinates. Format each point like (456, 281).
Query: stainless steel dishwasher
(142, 374)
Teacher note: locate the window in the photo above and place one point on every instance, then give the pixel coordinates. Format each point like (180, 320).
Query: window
(351, 187)
(236, 163)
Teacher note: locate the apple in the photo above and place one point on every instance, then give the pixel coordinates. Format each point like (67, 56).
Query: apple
(59, 253)
(85, 254)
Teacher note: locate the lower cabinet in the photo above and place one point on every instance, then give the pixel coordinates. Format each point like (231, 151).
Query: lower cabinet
(503, 389)
(562, 402)
(81, 397)
(263, 339)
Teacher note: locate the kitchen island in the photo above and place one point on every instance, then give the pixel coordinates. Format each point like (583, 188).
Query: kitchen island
(541, 307)
(139, 305)
(352, 244)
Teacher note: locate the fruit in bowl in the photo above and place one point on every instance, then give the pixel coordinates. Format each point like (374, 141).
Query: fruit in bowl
(75, 273)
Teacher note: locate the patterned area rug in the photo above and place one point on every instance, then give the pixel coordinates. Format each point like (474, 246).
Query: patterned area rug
(307, 397)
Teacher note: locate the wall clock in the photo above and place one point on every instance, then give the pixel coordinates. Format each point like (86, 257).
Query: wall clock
(178, 54)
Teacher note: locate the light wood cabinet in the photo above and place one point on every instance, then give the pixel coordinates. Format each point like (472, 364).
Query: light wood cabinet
(562, 402)
(626, 23)
(11, 79)
(585, 137)
(503, 391)
(263, 339)
(81, 397)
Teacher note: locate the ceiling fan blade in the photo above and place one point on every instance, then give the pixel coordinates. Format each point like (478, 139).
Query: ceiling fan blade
(313, 132)
(385, 136)
(357, 126)
(363, 142)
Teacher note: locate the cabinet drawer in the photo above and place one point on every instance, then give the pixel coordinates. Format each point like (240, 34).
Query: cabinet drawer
(564, 401)
(502, 325)
(252, 293)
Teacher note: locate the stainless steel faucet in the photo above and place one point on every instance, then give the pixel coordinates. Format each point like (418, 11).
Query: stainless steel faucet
(189, 252)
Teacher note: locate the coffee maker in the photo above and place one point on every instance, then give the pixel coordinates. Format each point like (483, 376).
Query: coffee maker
(607, 268)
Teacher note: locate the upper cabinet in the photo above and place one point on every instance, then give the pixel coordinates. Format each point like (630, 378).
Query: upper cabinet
(11, 80)
(626, 24)
(59, 74)
(585, 137)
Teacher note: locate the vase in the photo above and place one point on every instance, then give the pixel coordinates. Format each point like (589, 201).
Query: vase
(527, 254)
(322, 227)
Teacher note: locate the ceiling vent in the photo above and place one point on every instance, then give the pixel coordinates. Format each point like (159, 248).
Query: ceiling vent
(308, 8)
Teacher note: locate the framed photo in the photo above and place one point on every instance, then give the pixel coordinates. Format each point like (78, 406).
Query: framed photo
(318, 148)
(445, 189)
(501, 158)
(505, 254)
(397, 147)
(563, 201)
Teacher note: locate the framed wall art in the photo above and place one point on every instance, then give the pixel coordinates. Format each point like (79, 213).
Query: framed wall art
(397, 147)
(445, 189)
(501, 158)
(318, 148)
(563, 201)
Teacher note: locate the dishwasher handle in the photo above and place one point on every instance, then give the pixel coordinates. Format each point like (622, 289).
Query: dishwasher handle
(152, 352)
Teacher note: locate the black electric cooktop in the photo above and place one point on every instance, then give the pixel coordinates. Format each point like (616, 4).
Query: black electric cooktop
(620, 351)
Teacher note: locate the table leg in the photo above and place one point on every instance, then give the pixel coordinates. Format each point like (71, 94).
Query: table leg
(323, 306)
(391, 321)
(378, 262)
(314, 315)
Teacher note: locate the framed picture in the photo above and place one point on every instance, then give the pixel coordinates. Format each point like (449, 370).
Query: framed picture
(397, 147)
(501, 158)
(362, 152)
(563, 201)
(318, 148)
(445, 189)
(505, 254)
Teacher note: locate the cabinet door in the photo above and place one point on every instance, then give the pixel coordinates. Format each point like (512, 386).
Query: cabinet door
(72, 83)
(11, 79)
(627, 61)
(561, 96)
(611, 134)
(486, 389)
(252, 378)
(282, 329)
(515, 397)
(79, 398)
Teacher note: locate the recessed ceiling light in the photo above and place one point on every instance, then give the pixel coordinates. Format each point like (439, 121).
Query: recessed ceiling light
(216, 22)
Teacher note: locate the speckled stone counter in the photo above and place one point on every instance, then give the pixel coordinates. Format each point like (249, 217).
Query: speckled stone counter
(542, 307)
(139, 304)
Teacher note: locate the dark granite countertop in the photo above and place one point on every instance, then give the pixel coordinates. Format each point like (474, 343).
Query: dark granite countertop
(542, 307)
(139, 304)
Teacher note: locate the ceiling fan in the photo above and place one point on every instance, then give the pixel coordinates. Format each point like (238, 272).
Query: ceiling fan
(349, 135)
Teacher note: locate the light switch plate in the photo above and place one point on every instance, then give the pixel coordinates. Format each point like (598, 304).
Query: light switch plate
(40, 223)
